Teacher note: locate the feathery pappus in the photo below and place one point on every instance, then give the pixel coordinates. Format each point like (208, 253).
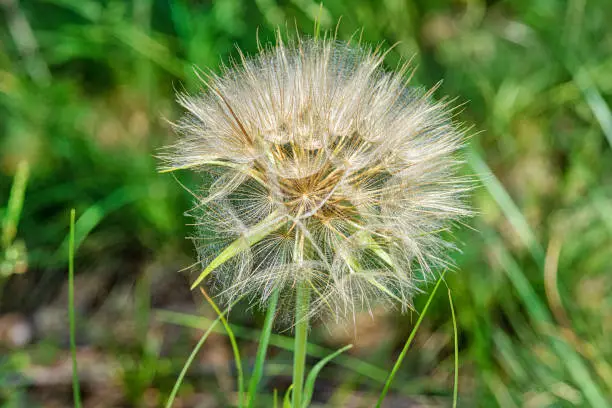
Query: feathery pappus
(322, 169)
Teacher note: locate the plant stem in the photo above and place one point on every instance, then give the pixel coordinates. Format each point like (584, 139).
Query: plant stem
(71, 315)
(301, 341)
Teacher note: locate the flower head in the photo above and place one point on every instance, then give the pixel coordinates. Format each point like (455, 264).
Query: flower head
(322, 169)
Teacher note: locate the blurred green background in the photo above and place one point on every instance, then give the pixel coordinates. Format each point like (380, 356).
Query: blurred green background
(86, 90)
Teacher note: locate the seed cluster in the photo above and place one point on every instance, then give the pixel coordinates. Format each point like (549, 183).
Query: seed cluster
(321, 168)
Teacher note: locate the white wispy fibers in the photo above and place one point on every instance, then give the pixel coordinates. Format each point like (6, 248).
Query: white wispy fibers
(323, 171)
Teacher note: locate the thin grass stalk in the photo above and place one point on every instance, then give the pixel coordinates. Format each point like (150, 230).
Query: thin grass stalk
(363, 368)
(76, 391)
(262, 349)
(456, 344)
(192, 356)
(234, 344)
(402, 355)
(314, 372)
(15, 204)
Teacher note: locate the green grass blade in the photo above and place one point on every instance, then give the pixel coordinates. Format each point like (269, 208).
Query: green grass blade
(149, 48)
(507, 205)
(15, 204)
(360, 367)
(71, 315)
(264, 340)
(402, 355)
(275, 398)
(258, 232)
(234, 344)
(95, 214)
(287, 399)
(189, 361)
(456, 344)
(539, 313)
(595, 100)
(312, 376)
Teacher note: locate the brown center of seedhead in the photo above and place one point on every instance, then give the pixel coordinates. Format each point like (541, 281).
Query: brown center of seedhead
(316, 196)
(313, 177)
(306, 182)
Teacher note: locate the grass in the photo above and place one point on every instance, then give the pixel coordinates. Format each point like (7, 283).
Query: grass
(235, 349)
(13, 252)
(456, 344)
(262, 349)
(10, 220)
(402, 355)
(314, 372)
(85, 89)
(76, 389)
(363, 368)
(189, 362)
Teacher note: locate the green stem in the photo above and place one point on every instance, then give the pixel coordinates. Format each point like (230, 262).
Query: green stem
(71, 315)
(302, 303)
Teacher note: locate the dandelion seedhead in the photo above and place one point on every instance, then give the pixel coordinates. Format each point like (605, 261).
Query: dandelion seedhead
(322, 169)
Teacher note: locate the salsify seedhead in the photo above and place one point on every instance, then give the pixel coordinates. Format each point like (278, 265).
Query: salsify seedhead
(321, 169)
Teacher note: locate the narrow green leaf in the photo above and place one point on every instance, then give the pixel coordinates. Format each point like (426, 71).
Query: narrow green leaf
(262, 349)
(15, 204)
(192, 356)
(360, 367)
(383, 289)
(71, 315)
(312, 376)
(317, 22)
(194, 352)
(287, 399)
(366, 238)
(540, 315)
(257, 233)
(235, 166)
(402, 355)
(595, 100)
(456, 342)
(234, 344)
(92, 216)
(507, 205)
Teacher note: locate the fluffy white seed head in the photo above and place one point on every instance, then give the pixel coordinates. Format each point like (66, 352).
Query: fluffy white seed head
(322, 168)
